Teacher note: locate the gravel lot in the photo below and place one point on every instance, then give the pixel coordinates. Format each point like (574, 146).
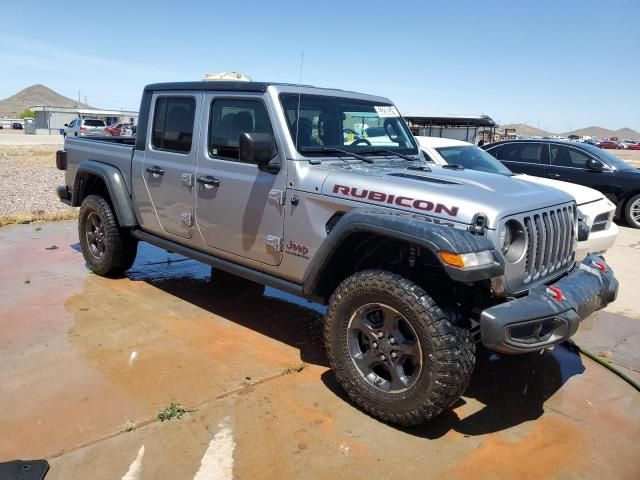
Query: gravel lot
(28, 178)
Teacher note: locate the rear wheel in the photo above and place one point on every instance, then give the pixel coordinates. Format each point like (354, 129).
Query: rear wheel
(107, 249)
(393, 349)
(632, 211)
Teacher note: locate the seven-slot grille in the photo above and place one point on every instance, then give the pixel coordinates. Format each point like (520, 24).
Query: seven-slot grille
(551, 239)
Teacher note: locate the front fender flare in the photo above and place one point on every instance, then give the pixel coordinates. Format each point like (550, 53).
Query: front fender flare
(411, 229)
(118, 193)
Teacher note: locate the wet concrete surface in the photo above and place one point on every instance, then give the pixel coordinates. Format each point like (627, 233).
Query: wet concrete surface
(83, 355)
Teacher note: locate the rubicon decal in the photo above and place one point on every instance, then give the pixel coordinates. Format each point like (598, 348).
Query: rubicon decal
(402, 201)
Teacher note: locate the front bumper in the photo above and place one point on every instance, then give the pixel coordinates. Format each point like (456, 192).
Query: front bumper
(544, 318)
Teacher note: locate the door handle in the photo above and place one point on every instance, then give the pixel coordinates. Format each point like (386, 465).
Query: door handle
(208, 181)
(155, 170)
(553, 175)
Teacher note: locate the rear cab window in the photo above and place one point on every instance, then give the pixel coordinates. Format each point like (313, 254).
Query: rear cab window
(173, 119)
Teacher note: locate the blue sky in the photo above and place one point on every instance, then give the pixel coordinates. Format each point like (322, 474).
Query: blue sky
(557, 65)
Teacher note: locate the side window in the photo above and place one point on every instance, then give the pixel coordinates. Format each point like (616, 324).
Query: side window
(568, 157)
(173, 124)
(230, 118)
(520, 152)
(494, 151)
(72, 124)
(428, 157)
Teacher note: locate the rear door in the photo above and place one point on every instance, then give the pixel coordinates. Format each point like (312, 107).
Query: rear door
(569, 164)
(170, 159)
(239, 206)
(522, 157)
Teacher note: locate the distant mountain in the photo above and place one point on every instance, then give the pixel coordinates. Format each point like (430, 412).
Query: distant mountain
(529, 131)
(34, 95)
(606, 133)
(526, 130)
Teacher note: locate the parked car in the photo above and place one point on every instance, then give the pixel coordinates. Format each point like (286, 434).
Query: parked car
(634, 146)
(579, 163)
(609, 144)
(415, 262)
(119, 129)
(595, 209)
(85, 127)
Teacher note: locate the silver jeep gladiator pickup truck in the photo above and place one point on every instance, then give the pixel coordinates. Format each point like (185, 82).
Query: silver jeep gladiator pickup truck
(417, 263)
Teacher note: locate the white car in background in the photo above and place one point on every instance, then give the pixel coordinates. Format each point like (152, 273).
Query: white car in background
(85, 127)
(595, 209)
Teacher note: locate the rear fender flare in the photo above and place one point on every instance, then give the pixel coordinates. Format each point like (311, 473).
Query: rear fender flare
(118, 193)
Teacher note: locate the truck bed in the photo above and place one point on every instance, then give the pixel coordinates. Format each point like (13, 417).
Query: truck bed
(116, 151)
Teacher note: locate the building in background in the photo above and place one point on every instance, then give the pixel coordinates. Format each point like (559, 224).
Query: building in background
(468, 128)
(50, 119)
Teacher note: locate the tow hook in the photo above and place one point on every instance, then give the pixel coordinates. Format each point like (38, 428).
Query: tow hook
(556, 293)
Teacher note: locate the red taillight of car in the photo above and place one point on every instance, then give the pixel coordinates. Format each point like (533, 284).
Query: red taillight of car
(83, 129)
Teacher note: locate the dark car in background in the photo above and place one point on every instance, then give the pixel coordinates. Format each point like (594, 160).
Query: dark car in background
(579, 163)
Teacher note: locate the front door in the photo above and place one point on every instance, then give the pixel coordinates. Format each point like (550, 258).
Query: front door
(239, 206)
(569, 164)
(169, 163)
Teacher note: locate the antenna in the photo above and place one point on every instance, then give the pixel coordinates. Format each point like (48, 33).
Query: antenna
(299, 95)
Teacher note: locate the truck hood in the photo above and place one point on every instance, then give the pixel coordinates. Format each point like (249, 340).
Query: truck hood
(449, 195)
(580, 193)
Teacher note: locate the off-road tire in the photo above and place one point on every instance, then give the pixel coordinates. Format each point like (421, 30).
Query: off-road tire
(227, 285)
(120, 248)
(629, 214)
(448, 352)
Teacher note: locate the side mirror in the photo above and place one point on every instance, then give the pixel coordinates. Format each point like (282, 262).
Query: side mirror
(256, 148)
(595, 165)
(66, 124)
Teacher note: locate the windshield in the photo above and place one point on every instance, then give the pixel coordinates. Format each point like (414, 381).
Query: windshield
(344, 123)
(473, 158)
(607, 157)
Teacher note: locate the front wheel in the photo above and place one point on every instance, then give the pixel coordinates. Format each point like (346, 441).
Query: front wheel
(107, 249)
(393, 349)
(632, 211)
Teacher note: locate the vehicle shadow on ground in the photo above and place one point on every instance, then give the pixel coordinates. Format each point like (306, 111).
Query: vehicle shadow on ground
(289, 323)
(511, 389)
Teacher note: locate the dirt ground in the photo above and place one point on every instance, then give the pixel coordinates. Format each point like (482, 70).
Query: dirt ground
(88, 362)
(28, 178)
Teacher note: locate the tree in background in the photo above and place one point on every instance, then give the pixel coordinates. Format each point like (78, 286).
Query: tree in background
(27, 113)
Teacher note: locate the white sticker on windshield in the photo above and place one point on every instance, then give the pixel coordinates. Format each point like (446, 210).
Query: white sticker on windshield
(385, 111)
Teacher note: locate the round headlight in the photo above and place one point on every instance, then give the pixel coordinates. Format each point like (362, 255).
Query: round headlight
(513, 240)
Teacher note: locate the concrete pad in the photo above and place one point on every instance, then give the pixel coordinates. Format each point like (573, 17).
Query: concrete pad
(22, 139)
(624, 258)
(301, 426)
(82, 355)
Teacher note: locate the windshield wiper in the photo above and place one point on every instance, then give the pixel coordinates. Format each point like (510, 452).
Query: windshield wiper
(336, 150)
(389, 152)
(453, 166)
